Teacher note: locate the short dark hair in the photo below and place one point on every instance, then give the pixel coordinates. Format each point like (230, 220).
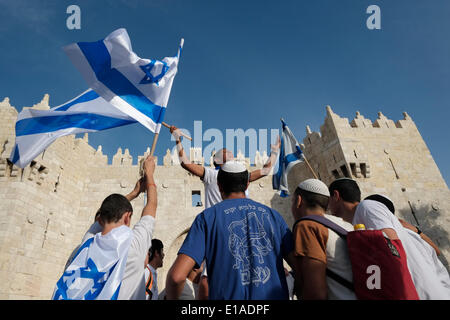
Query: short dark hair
(157, 246)
(232, 182)
(378, 197)
(113, 208)
(311, 199)
(348, 190)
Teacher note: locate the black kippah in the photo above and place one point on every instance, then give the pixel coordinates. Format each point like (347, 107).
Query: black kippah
(388, 203)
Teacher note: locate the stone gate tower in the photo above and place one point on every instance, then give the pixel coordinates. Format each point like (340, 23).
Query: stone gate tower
(46, 207)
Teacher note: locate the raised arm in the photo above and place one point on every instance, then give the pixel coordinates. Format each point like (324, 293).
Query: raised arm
(138, 188)
(150, 187)
(312, 283)
(177, 275)
(259, 173)
(421, 234)
(193, 168)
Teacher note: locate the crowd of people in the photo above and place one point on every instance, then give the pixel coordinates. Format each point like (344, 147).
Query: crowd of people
(240, 249)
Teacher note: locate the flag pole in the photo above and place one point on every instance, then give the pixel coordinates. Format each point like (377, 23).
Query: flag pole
(152, 151)
(181, 133)
(309, 166)
(155, 138)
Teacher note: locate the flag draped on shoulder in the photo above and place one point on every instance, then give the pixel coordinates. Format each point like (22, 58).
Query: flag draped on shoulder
(37, 129)
(138, 87)
(290, 155)
(97, 269)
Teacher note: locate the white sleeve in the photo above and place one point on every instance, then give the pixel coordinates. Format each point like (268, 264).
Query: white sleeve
(209, 176)
(133, 281)
(142, 236)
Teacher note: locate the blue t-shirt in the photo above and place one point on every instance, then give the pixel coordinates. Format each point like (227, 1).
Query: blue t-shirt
(244, 243)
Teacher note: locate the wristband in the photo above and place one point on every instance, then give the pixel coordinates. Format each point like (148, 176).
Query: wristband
(151, 184)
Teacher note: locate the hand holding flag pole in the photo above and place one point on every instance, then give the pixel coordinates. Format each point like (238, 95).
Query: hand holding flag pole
(155, 138)
(181, 133)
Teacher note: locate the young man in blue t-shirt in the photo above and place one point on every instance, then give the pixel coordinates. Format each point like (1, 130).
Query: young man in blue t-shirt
(243, 242)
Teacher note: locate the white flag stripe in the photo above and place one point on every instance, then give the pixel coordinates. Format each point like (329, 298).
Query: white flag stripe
(81, 63)
(37, 129)
(101, 107)
(123, 91)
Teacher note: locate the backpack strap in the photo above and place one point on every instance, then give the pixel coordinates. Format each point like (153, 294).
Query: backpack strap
(325, 222)
(342, 233)
(343, 282)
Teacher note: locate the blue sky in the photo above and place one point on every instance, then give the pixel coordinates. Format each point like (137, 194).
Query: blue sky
(245, 64)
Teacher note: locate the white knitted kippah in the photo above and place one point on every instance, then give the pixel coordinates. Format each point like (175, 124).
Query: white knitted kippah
(233, 166)
(315, 186)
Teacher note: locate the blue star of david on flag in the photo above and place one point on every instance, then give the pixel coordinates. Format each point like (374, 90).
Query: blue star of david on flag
(96, 271)
(149, 76)
(89, 272)
(139, 88)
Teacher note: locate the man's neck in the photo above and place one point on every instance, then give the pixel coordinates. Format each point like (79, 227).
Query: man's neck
(308, 212)
(235, 195)
(109, 226)
(314, 212)
(348, 211)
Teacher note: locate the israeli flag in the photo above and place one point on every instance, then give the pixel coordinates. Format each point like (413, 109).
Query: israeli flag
(290, 155)
(97, 270)
(138, 87)
(37, 129)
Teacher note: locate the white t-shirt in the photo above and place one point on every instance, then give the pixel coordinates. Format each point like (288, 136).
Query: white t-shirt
(375, 215)
(338, 261)
(433, 260)
(290, 282)
(212, 192)
(133, 282)
(154, 288)
(189, 292)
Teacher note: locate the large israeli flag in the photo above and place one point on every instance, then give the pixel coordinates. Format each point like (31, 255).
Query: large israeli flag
(97, 269)
(37, 129)
(138, 87)
(290, 155)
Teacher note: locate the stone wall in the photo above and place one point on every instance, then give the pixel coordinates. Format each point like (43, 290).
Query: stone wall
(385, 157)
(46, 207)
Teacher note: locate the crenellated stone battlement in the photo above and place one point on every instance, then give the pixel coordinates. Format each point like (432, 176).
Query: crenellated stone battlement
(313, 140)
(46, 207)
